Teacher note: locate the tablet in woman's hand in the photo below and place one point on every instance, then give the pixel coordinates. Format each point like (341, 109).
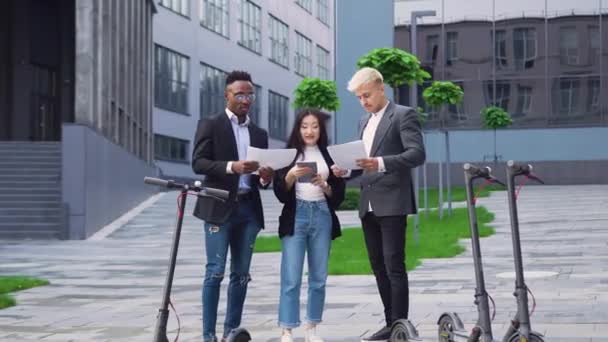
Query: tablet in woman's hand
(307, 178)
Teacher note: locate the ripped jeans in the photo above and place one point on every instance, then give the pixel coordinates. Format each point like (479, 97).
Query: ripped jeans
(311, 237)
(238, 233)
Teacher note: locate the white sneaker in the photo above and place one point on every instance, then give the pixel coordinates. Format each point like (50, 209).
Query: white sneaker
(311, 335)
(286, 336)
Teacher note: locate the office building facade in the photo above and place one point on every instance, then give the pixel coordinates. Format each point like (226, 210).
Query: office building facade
(197, 42)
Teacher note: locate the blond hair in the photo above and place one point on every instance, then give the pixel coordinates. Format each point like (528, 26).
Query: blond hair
(364, 76)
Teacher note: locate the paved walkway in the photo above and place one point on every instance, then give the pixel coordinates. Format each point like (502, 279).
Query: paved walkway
(110, 290)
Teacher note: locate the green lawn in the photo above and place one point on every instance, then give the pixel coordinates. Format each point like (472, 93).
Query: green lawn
(351, 200)
(437, 239)
(16, 283)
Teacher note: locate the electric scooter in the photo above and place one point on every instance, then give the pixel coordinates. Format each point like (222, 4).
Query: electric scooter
(520, 328)
(160, 332)
(451, 328)
(450, 325)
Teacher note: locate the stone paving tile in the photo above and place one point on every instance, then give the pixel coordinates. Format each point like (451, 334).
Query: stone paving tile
(110, 290)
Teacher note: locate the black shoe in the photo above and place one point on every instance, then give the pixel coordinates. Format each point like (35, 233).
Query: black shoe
(381, 335)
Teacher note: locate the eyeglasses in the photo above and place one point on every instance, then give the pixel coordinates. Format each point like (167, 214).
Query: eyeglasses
(241, 97)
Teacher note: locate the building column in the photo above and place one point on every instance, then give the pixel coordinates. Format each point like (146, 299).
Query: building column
(85, 64)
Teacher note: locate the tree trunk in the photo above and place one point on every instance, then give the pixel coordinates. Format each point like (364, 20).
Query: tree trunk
(495, 153)
(448, 168)
(396, 95)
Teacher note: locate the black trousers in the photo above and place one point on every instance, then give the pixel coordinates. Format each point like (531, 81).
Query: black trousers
(385, 242)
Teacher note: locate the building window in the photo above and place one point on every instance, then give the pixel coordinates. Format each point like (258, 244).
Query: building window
(432, 44)
(593, 104)
(213, 83)
(323, 11)
(177, 6)
(568, 96)
(568, 44)
(170, 149)
(594, 45)
(503, 93)
(524, 100)
(451, 47)
(251, 26)
(256, 108)
(170, 80)
(279, 41)
(214, 16)
(303, 57)
(323, 63)
(305, 4)
(277, 115)
(500, 49)
(524, 48)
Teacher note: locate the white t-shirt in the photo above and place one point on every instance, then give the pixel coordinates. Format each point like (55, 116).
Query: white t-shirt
(308, 191)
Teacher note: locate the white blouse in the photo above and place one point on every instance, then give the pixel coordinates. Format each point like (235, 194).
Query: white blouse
(308, 191)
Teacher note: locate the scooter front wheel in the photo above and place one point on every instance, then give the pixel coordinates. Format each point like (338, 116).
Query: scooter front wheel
(446, 329)
(239, 335)
(403, 331)
(399, 333)
(534, 337)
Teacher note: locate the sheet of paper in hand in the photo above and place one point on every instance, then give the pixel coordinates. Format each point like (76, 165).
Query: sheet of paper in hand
(310, 165)
(276, 159)
(345, 155)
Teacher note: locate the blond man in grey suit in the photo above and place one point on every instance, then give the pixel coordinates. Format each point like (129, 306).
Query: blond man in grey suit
(393, 141)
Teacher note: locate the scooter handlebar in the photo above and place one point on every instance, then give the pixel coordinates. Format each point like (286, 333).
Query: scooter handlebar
(473, 170)
(202, 191)
(519, 168)
(156, 181)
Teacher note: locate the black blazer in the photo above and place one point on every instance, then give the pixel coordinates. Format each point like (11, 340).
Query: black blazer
(214, 146)
(288, 198)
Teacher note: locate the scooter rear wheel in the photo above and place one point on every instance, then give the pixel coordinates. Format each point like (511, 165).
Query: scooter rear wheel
(534, 337)
(446, 329)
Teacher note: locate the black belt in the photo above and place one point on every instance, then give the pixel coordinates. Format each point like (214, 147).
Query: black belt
(245, 196)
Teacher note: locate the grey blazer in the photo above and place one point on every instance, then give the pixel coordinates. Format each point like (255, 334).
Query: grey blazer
(399, 141)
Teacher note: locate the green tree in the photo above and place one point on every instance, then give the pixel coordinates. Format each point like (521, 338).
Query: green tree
(317, 93)
(440, 94)
(396, 66)
(495, 118)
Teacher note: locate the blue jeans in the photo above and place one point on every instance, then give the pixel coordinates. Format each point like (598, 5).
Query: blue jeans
(312, 235)
(238, 233)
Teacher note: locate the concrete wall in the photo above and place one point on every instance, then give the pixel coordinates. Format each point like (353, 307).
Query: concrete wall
(558, 144)
(100, 180)
(560, 156)
(551, 172)
(361, 26)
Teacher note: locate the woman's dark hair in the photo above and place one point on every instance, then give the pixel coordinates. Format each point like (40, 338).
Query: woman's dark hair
(295, 138)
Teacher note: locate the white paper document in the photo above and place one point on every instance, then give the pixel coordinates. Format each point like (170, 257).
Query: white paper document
(276, 159)
(344, 155)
